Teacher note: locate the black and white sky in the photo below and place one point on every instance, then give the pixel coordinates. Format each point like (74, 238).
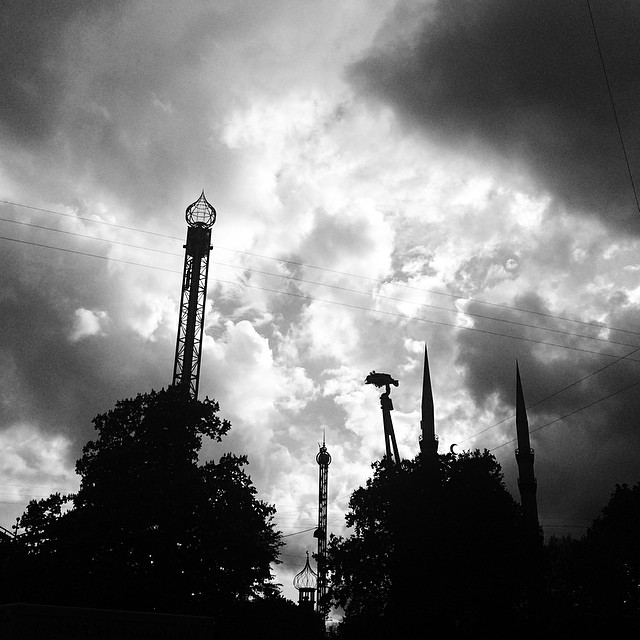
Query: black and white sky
(387, 173)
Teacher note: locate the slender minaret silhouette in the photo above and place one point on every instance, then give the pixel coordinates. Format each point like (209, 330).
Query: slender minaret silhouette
(324, 460)
(200, 218)
(524, 456)
(428, 438)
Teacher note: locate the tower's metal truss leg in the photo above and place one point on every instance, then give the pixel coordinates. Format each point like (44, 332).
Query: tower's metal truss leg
(186, 371)
(324, 460)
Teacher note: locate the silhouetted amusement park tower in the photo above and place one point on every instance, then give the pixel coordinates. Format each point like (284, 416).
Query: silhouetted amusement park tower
(324, 460)
(200, 217)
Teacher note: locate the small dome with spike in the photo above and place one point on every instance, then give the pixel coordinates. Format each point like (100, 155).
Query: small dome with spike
(305, 580)
(323, 457)
(200, 213)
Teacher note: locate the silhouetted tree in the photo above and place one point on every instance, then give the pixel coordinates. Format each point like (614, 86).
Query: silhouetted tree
(614, 539)
(593, 584)
(444, 549)
(566, 608)
(271, 618)
(150, 528)
(608, 568)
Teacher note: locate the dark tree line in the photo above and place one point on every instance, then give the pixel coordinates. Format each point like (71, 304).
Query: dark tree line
(438, 547)
(443, 547)
(594, 582)
(152, 528)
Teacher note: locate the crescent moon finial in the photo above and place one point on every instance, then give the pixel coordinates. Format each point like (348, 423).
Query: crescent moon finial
(451, 448)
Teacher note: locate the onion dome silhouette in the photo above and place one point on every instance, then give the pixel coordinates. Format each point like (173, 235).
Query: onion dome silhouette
(306, 583)
(200, 213)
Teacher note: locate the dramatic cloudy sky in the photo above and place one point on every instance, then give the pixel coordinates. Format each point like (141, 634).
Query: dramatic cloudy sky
(386, 174)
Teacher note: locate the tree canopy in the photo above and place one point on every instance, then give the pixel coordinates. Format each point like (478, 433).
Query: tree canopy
(595, 581)
(151, 528)
(437, 546)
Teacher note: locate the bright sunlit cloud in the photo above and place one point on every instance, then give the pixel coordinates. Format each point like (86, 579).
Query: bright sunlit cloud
(377, 190)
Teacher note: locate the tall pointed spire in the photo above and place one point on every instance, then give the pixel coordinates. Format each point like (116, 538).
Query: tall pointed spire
(428, 437)
(522, 423)
(524, 456)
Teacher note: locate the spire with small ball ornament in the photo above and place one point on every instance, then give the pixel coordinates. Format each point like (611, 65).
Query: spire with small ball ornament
(200, 217)
(323, 458)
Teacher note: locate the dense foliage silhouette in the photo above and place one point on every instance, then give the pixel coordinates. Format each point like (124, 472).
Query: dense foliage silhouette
(150, 529)
(437, 545)
(441, 545)
(594, 583)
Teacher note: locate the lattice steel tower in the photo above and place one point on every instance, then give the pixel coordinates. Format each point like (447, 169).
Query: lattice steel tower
(200, 217)
(324, 460)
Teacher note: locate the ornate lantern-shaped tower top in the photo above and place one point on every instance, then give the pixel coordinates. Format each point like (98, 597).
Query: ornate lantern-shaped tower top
(306, 583)
(200, 217)
(200, 213)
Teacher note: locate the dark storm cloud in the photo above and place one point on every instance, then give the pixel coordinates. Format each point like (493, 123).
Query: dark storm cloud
(32, 68)
(107, 95)
(50, 380)
(582, 408)
(557, 351)
(522, 82)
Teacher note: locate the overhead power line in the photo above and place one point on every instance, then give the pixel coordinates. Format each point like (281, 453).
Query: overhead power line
(296, 533)
(84, 219)
(332, 302)
(571, 413)
(324, 284)
(553, 395)
(89, 255)
(613, 108)
(400, 285)
(618, 358)
(86, 235)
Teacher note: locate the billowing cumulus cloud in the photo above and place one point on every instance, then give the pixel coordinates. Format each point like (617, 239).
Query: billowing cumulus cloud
(386, 174)
(33, 465)
(521, 85)
(87, 323)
